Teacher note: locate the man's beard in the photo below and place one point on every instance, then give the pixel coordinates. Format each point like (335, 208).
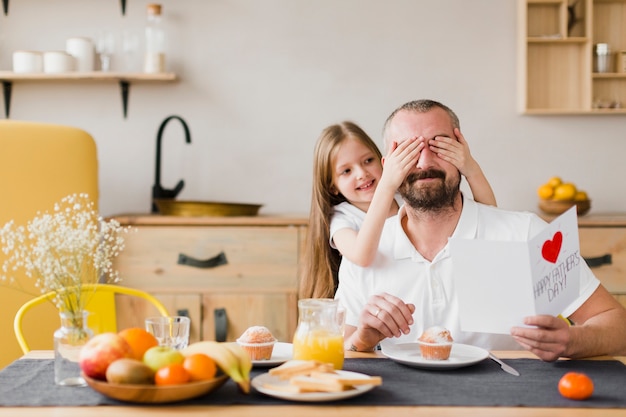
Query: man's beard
(433, 196)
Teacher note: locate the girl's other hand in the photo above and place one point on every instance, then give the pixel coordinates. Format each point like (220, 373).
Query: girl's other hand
(402, 157)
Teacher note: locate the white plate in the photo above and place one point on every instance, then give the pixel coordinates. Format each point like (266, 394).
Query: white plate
(260, 381)
(409, 354)
(282, 353)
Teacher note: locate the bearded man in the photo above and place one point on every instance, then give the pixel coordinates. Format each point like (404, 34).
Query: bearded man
(409, 287)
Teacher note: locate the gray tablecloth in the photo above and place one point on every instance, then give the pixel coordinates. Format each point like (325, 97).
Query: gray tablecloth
(29, 382)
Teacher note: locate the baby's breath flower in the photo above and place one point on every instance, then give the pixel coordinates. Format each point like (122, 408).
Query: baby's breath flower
(63, 250)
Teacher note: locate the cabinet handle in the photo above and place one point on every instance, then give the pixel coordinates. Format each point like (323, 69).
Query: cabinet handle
(217, 260)
(221, 324)
(599, 261)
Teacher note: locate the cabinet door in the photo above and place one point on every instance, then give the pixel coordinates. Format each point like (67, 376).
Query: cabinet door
(599, 241)
(275, 310)
(256, 284)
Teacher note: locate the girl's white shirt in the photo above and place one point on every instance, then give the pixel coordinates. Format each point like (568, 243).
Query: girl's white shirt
(347, 216)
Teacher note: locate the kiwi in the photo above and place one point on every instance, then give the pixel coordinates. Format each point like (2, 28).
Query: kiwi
(129, 371)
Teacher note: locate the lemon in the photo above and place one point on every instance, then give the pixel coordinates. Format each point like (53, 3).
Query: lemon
(581, 196)
(566, 191)
(545, 191)
(555, 181)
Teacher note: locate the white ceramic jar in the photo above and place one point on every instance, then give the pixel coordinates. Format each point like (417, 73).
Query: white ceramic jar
(83, 50)
(27, 62)
(56, 62)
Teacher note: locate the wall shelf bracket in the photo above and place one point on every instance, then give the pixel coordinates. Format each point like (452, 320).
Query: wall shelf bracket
(125, 89)
(7, 86)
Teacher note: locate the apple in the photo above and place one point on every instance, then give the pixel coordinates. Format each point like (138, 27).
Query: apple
(100, 351)
(159, 356)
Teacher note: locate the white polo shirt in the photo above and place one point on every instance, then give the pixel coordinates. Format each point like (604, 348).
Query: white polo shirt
(401, 271)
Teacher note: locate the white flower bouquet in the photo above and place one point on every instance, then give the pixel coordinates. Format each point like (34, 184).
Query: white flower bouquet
(63, 250)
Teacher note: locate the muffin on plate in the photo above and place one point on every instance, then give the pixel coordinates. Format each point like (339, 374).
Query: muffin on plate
(435, 343)
(258, 341)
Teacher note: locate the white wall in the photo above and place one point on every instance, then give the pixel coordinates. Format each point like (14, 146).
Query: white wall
(259, 79)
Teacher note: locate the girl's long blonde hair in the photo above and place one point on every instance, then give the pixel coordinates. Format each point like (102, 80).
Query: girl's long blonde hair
(318, 275)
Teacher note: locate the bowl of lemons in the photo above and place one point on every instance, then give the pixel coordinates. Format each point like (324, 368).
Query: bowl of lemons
(557, 196)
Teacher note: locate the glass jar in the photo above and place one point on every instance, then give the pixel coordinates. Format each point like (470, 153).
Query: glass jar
(602, 60)
(154, 57)
(318, 335)
(68, 340)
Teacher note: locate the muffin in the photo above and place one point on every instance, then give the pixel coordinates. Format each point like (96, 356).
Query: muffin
(258, 341)
(435, 343)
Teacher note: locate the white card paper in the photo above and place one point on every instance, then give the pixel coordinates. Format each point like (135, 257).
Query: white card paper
(499, 283)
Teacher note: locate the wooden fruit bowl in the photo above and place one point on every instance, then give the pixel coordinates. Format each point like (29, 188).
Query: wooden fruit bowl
(561, 206)
(153, 394)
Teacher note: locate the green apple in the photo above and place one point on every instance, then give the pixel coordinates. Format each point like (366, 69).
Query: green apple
(159, 356)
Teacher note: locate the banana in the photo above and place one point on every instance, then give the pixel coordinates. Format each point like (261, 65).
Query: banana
(245, 362)
(231, 361)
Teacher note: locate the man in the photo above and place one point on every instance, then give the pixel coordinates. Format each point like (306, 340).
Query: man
(409, 287)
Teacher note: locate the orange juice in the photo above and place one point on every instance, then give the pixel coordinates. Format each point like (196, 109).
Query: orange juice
(319, 344)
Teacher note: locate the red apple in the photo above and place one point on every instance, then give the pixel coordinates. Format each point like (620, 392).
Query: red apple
(99, 352)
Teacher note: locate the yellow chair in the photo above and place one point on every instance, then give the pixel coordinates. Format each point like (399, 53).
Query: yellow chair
(101, 307)
(40, 163)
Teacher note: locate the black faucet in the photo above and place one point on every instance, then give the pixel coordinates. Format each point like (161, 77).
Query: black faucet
(159, 192)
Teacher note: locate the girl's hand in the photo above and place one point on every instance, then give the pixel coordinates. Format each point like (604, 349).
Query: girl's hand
(456, 151)
(400, 160)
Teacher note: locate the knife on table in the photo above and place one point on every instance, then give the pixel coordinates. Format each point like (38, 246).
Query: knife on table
(504, 366)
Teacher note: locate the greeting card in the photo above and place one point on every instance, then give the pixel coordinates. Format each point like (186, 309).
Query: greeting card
(499, 283)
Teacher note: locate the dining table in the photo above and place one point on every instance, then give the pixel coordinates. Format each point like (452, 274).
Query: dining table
(383, 405)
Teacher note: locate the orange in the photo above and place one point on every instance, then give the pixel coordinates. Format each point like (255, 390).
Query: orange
(581, 196)
(172, 374)
(555, 181)
(566, 191)
(545, 191)
(139, 340)
(576, 386)
(200, 367)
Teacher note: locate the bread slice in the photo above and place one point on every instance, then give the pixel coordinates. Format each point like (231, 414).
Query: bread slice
(296, 367)
(347, 379)
(308, 383)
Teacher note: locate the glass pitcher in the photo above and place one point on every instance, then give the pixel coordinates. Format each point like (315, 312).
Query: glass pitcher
(318, 335)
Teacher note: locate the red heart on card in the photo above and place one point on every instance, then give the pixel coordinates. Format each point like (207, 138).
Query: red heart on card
(551, 248)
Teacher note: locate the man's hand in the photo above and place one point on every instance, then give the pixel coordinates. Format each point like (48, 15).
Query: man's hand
(383, 316)
(548, 339)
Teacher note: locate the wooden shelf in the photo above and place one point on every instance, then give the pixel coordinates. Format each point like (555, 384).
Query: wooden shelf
(90, 76)
(555, 45)
(124, 80)
(5, 7)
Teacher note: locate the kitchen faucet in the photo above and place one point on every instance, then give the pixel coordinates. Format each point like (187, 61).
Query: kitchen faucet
(158, 192)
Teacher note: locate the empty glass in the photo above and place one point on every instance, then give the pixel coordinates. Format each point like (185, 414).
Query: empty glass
(170, 331)
(105, 47)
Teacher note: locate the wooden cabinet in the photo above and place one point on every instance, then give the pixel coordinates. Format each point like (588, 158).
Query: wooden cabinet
(249, 275)
(556, 56)
(603, 245)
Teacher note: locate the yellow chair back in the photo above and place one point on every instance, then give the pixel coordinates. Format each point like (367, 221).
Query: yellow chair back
(40, 163)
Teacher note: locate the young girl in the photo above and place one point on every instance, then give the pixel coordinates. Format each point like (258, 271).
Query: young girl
(353, 196)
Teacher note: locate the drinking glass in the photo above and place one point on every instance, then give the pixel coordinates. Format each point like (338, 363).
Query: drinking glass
(105, 47)
(170, 331)
(130, 51)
